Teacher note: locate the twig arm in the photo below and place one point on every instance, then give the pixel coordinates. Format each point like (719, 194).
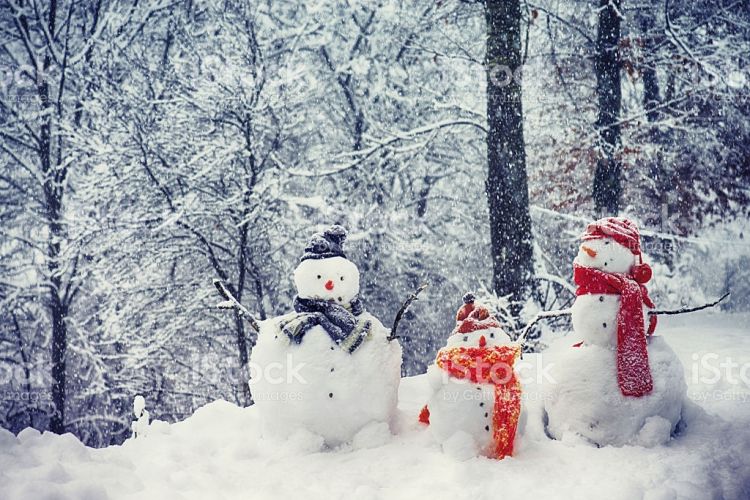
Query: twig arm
(540, 316)
(414, 296)
(566, 312)
(232, 303)
(689, 309)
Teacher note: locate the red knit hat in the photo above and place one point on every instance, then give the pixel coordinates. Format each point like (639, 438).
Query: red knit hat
(625, 232)
(472, 317)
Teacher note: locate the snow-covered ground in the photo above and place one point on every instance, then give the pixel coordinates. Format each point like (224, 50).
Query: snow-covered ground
(217, 453)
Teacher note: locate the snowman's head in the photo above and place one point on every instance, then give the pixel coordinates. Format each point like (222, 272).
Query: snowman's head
(334, 278)
(605, 254)
(325, 272)
(613, 245)
(489, 337)
(476, 327)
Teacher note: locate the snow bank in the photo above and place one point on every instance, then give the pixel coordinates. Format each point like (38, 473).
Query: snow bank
(217, 452)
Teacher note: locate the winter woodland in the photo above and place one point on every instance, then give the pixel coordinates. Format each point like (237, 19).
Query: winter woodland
(148, 148)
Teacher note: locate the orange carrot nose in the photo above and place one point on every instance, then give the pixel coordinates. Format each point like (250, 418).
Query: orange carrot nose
(482, 341)
(329, 285)
(590, 251)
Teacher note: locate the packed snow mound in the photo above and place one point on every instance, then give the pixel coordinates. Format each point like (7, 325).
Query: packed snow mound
(219, 452)
(582, 397)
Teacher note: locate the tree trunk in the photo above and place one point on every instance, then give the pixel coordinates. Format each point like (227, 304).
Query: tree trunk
(58, 315)
(507, 191)
(607, 184)
(659, 136)
(244, 375)
(53, 199)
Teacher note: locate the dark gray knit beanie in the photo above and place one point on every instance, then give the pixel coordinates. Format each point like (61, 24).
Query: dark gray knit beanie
(326, 244)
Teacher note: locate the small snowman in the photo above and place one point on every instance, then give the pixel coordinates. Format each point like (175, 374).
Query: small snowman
(328, 368)
(619, 384)
(140, 426)
(476, 399)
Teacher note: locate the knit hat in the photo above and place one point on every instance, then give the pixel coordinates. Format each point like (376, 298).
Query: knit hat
(326, 244)
(472, 317)
(624, 232)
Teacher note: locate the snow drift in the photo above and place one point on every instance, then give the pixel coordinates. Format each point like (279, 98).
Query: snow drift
(218, 452)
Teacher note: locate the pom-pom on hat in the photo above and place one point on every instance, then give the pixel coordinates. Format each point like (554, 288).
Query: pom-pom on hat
(465, 310)
(326, 244)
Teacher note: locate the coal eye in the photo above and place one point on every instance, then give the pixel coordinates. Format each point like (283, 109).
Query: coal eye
(318, 276)
(342, 278)
(606, 242)
(605, 263)
(466, 338)
(492, 335)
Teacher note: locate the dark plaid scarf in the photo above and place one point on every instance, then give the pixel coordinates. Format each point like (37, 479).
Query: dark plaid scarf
(340, 322)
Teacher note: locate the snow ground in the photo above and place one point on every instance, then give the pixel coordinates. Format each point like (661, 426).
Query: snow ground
(217, 452)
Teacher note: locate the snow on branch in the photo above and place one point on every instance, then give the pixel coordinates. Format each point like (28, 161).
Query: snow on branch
(230, 302)
(359, 157)
(540, 316)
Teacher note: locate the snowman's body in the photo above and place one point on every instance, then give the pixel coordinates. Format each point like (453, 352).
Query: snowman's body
(584, 398)
(316, 384)
(321, 388)
(461, 412)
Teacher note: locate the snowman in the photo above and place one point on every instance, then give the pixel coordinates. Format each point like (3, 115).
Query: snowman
(476, 398)
(618, 384)
(327, 368)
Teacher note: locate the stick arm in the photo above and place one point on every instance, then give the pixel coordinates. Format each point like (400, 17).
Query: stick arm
(414, 296)
(656, 312)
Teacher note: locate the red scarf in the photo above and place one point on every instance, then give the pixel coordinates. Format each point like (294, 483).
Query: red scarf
(489, 365)
(633, 371)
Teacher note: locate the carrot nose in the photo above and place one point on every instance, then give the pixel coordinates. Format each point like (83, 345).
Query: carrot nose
(482, 341)
(329, 285)
(590, 251)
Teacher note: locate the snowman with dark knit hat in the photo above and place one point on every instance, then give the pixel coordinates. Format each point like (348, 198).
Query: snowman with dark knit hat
(327, 368)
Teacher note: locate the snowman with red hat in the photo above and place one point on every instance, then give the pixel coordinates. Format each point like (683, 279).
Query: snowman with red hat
(329, 368)
(476, 398)
(619, 384)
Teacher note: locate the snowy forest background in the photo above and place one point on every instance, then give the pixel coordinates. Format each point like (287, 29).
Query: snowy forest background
(150, 147)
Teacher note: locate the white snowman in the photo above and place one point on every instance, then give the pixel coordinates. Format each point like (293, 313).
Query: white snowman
(326, 368)
(475, 400)
(619, 384)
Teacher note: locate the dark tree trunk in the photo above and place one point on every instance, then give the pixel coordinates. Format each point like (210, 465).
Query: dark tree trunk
(58, 313)
(658, 169)
(507, 191)
(53, 199)
(607, 183)
(244, 375)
